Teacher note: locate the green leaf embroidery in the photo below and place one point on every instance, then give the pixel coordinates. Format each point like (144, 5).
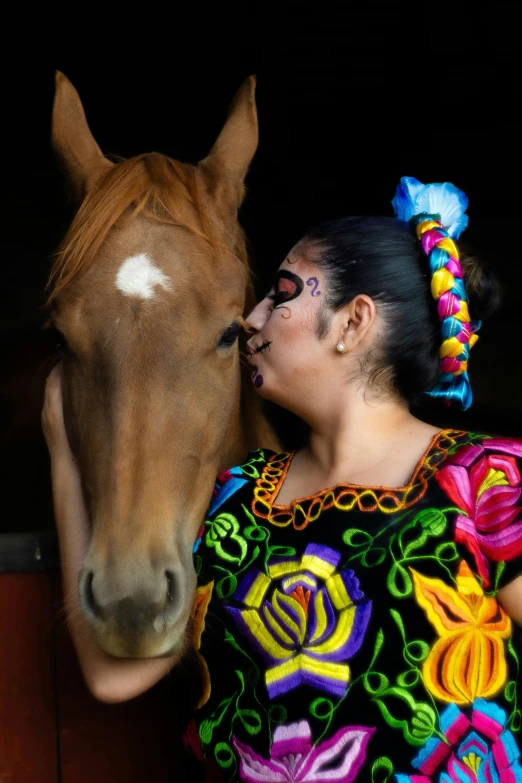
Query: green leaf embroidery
(433, 520)
(416, 543)
(249, 468)
(384, 764)
(226, 586)
(447, 552)
(207, 726)
(379, 641)
(223, 535)
(250, 719)
(373, 557)
(350, 537)
(322, 708)
(415, 651)
(399, 581)
(422, 722)
(224, 755)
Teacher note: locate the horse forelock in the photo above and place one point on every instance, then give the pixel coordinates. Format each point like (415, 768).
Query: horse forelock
(151, 185)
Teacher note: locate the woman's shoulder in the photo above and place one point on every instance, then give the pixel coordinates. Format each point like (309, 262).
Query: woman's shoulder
(465, 446)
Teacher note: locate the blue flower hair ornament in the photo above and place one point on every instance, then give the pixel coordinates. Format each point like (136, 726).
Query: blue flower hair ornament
(440, 198)
(438, 214)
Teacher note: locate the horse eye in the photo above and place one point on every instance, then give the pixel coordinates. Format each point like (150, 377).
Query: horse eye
(59, 340)
(229, 336)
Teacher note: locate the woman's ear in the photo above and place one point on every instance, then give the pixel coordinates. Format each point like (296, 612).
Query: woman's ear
(357, 320)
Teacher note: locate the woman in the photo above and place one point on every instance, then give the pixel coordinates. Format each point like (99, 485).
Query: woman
(360, 593)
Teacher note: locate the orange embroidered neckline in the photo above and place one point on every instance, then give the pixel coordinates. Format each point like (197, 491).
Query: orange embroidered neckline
(345, 496)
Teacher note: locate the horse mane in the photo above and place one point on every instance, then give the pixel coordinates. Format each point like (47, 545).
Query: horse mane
(150, 184)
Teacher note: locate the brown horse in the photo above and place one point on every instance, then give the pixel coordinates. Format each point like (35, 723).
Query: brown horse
(148, 291)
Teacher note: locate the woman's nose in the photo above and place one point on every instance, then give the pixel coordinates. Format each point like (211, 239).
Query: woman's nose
(256, 319)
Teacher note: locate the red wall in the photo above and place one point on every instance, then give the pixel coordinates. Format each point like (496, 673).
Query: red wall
(51, 729)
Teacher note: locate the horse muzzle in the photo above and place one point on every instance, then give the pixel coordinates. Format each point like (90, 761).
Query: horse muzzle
(139, 613)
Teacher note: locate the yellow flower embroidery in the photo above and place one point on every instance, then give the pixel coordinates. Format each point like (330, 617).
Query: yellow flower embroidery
(468, 661)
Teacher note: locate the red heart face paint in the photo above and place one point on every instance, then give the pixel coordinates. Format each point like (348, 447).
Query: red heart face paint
(287, 287)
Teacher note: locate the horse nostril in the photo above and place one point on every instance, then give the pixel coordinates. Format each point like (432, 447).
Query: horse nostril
(89, 595)
(170, 586)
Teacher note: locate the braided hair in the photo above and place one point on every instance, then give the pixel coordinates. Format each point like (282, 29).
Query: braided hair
(448, 290)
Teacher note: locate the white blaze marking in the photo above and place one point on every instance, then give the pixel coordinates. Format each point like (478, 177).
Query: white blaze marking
(138, 276)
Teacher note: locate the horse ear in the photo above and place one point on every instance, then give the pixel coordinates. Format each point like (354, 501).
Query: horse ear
(226, 165)
(79, 155)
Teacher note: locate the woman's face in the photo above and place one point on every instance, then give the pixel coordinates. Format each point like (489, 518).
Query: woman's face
(287, 355)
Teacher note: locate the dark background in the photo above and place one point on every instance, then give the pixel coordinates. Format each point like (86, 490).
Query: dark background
(350, 98)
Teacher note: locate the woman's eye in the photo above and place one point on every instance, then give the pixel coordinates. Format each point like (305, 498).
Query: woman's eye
(229, 336)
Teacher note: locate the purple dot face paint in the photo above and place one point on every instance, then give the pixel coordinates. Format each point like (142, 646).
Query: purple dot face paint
(258, 381)
(314, 282)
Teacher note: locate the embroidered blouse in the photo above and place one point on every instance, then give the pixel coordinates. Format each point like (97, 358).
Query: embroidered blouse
(355, 634)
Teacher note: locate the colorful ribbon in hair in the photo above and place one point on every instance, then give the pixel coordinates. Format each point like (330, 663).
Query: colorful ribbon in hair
(438, 213)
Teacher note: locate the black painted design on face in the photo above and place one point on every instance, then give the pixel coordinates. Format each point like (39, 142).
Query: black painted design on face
(263, 347)
(287, 287)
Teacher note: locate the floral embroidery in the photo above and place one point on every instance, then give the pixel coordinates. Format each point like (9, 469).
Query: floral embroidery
(223, 535)
(487, 488)
(199, 612)
(294, 760)
(305, 619)
(291, 627)
(345, 497)
(227, 485)
(482, 749)
(468, 661)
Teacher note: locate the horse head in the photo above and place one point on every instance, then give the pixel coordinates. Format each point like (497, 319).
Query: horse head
(148, 292)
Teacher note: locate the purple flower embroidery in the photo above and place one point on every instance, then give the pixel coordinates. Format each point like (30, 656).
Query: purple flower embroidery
(480, 750)
(305, 619)
(294, 760)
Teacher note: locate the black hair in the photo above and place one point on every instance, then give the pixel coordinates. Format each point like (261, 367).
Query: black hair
(382, 258)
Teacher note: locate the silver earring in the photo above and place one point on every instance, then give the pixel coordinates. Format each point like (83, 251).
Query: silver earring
(341, 347)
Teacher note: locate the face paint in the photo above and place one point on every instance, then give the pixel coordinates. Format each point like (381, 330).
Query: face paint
(257, 378)
(263, 347)
(287, 287)
(313, 281)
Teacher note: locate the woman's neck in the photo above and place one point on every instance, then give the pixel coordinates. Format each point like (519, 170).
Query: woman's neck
(357, 435)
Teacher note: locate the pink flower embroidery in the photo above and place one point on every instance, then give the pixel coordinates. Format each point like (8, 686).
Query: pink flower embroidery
(487, 487)
(294, 760)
